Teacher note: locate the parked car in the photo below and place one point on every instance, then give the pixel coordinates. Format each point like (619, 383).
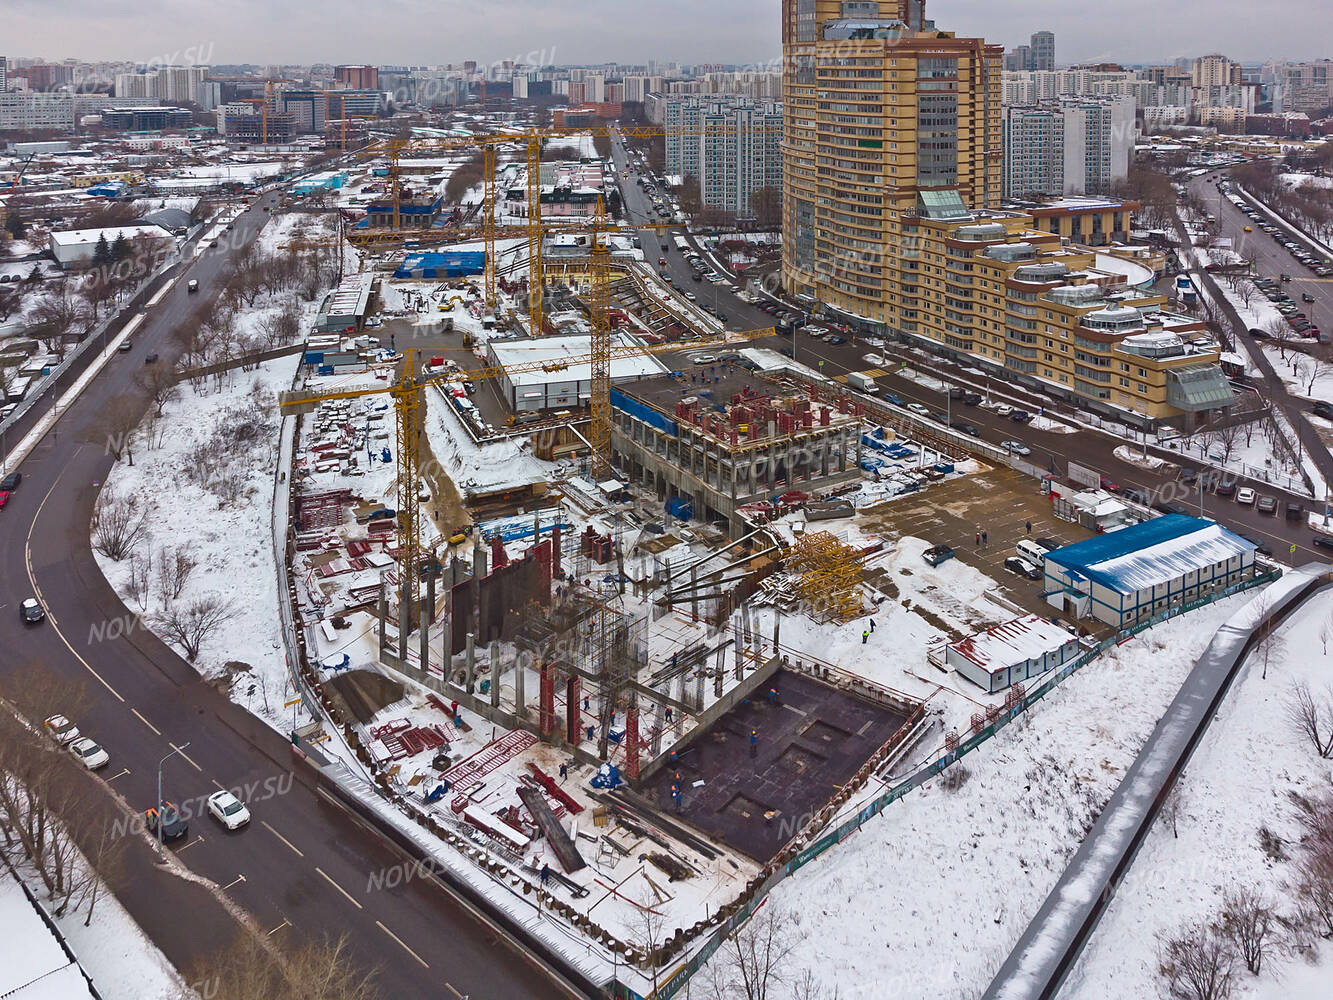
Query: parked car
(1021, 567)
(836, 340)
(971, 398)
(919, 408)
(1016, 447)
(1295, 512)
(1004, 410)
(1320, 409)
(1267, 505)
(4, 499)
(895, 399)
(166, 818)
(1020, 416)
(228, 810)
(966, 428)
(1109, 486)
(88, 753)
(31, 611)
(1245, 496)
(11, 482)
(61, 730)
(1323, 542)
(125, 346)
(1226, 488)
(937, 554)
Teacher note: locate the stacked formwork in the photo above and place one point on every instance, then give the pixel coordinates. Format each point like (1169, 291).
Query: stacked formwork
(828, 575)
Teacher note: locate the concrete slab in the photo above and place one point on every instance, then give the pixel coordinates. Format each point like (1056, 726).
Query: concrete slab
(811, 740)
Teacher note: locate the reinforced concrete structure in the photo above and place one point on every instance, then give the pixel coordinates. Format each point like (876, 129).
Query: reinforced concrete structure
(681, 441)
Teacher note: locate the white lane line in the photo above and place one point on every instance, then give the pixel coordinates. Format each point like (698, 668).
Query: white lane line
(146, 722)
(349, 896)
(32, 579)
(182, 753)
(407, 949)
(282, 838)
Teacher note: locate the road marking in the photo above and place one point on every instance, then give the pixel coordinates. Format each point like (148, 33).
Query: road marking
(455, 992)
(238, 878)
(191, 844)
(123, 771)
(405, 948)
(220, 787)
(285, 923)
(32, 579)
(349, 896)
(186, 756)
(282, 838)
(146, 722)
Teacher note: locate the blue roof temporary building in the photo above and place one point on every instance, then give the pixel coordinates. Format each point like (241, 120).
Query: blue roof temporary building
(442, 264)
(1149, 554)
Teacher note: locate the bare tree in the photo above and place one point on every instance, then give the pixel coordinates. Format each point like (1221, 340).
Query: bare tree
(120, 425)
(1281, 333)
(10, 300)
(1314, 886)
(1312, 716)
(175, 563)
(251, 967)
(1316, 369)
(159, 384)
(1269, 644)
(1250, 921)
(192, 624)
(54, 320)
(140, 576)
(1227, 438)
(1198, 965)
(752, 963)
(119, 522)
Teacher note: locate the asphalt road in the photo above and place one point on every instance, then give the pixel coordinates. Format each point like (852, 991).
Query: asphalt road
(1091, 448)
(301, 870)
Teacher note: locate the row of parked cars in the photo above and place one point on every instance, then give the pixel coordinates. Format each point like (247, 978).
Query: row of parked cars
(1286, 305)
(1319, 265)
(164, 819)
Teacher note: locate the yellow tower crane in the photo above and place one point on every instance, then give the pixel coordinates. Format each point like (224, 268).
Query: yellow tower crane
(407, 392)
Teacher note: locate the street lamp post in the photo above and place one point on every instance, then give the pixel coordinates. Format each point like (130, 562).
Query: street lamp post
(174, 750)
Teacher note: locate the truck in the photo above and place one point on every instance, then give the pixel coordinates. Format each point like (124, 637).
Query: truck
(862, 383)
(1185, 290)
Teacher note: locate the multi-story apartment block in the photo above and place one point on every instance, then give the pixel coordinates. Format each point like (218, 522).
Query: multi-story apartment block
(1076, 146)
(1078, 323)
(1215, 71)
(1043, 50)
(310, 108)
(887, 120)
(733, 145)
(61, 110)
(4, 74)
(357, 77)
(1231, 120)
(1305, 87)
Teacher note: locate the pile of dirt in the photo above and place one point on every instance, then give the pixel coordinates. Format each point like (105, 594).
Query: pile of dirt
(364, 692)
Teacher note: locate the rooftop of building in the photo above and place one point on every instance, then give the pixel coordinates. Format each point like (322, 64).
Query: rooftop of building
(1151, 553)
(1018, 641)
(568, 359)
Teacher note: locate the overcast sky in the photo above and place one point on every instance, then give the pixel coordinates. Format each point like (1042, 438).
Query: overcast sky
(584, 31)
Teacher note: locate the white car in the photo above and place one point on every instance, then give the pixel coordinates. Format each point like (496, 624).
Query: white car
(1245, 496)
(704, 359)
(88, 753)
(873, 359)
(1003, 410)
(920, 408)
(874, 341)
(62, 730)
(1017, 447)
(228, 810)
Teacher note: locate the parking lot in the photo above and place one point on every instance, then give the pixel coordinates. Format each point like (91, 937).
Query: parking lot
(1000, 502)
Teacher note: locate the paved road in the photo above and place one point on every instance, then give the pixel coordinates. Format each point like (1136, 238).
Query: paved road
(1049, 449)
(305, 864)
(1272, 260)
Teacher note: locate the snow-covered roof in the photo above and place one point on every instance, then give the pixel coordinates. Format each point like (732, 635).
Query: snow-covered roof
(81, 237)
(35, 966)
(1145, 555)
(1014, 642)
(556, 353)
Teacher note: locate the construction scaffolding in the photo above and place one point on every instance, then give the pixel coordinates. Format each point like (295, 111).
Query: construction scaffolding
(828, 577)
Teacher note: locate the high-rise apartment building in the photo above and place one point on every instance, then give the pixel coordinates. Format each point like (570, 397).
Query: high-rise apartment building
(1042, 47)
(1075, 146)
(732, 145)
(4, 74)
(1305, 87)
(887, 121)
(357, 77)
(1215, 71)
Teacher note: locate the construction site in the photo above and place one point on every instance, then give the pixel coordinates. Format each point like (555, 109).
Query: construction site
(576, 601)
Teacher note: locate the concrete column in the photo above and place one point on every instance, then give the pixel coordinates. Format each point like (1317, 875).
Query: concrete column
(520, 675)
(404, 625)
(719, 669)
(428, 616)
(694, 591)
(383, 613)
(736, 644)
(777, 630)
(425, 647)
(495, 674)
(471, 663)
(670, 601)
(536, 526)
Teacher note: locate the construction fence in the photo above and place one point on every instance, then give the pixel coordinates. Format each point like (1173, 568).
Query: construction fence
(680, 977)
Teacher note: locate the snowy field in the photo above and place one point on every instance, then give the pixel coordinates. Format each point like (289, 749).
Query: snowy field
(212, 503)
(959, 867)
(1246, 776)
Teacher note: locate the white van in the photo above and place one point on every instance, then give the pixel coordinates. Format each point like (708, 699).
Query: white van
(864, 383)
(1032, 551)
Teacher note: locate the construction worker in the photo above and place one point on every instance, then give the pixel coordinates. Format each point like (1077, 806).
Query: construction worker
(754, 742)
(564, 771)
(872, 624)
(865, 636)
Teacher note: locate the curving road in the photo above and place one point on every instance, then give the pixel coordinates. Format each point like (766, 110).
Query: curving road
(301, 870)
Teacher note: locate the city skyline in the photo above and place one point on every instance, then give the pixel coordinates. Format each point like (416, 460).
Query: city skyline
(746, 31)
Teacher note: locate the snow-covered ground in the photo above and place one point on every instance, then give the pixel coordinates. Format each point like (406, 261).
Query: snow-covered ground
(214, 502)
(1246, 776)
(929, 897)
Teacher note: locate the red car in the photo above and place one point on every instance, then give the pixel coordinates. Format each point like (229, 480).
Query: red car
(4, 498)
(1109, 486)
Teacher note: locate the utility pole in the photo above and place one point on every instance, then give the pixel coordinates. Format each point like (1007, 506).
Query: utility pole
(174, 750)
